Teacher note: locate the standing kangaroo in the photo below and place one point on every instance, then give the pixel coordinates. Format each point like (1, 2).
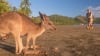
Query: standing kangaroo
(19, 25)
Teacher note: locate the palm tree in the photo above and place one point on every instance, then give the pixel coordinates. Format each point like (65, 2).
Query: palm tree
(25, 7)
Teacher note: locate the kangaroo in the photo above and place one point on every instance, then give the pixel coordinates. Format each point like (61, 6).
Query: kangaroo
(39, 29)
(19, 25)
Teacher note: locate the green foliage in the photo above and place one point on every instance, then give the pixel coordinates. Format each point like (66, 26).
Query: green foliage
(81, 19)
(25, 7)
(4, 6)
(62, 20)
(97, 20)
(58, 20)
(36, 19)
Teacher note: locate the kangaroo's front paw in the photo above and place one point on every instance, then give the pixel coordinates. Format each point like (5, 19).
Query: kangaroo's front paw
(35, 46)
(17, 53)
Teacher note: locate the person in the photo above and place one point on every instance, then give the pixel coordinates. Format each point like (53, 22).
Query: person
(90, 18)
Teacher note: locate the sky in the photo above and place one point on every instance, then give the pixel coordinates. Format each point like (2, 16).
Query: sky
(69, 8)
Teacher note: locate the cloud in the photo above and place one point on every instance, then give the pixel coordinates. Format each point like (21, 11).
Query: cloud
(95, 10)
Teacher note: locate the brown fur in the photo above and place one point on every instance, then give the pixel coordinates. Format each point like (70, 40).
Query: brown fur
(18, 25)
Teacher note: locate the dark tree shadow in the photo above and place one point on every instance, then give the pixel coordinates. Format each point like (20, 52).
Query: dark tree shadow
(7, 47)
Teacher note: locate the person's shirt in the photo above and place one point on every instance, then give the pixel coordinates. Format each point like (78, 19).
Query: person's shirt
(89, 16)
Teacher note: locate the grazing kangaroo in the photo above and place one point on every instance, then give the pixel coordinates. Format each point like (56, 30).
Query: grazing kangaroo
(19, 25)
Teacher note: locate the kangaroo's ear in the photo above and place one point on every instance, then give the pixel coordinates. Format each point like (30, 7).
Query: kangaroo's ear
(41, 15)
(46, 17)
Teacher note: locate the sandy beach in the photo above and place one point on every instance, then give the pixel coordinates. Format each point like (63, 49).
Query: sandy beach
(69, 40)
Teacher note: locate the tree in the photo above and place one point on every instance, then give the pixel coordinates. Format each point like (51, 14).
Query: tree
(4, 6)
(25, 7)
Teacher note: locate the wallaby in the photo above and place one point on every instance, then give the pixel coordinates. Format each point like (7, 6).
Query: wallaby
(19, 25)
